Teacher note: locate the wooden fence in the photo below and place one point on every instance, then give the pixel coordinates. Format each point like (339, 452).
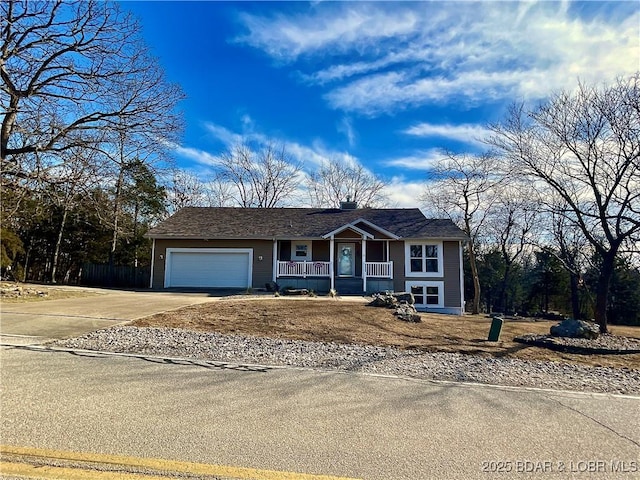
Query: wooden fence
(122, 276)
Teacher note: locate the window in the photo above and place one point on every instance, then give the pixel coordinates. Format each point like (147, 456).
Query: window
(427, 294)
(301, 251)
(423, 259)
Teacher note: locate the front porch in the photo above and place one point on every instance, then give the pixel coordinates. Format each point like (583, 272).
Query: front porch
(348, 265)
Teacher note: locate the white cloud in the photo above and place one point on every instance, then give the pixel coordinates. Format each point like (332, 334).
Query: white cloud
(309, 156)
(286, 38)
(346, 127)
(465, 132)
(224, 135)
(404, 193)
(423, 161)
(407, 55)
(199, 156)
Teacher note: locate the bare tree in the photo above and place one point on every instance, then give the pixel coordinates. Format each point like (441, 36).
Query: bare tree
(184, 190)
(584, 148)
(464, 188)
(572, 249)
(265, 178)
(336, 181)
(513, 227)
(76, 175)
(71, 73)
(218, 192)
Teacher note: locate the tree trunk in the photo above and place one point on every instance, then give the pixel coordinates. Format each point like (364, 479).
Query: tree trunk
(56, 250)
(575, 299)
(502, 296)
(27, 257)
(602, 289)
(135, 236)
(476, 279)
(116, 215)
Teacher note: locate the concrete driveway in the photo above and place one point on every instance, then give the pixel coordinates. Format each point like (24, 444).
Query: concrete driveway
(37, 322)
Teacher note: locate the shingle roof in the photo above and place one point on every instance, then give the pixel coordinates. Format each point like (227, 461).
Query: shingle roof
(254, 223)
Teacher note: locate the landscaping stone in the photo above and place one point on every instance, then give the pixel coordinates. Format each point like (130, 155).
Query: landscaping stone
(294, 291)
(13, 290)
(240, 350)
(604, 344)
(405, 297)
(407, 313)
(403, 303)
(575, 329)
(386, 300)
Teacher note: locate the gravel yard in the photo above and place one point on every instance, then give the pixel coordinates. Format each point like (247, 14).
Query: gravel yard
(386, 360)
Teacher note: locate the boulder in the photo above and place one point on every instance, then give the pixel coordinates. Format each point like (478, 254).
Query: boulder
(575, 329)
(403, 303)
(405, 297)
(407, 313)
(386, 300)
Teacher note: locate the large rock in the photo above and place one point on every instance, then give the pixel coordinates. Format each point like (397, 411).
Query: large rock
(575, 329)
(386, 300)
(403, 303)
(391, 300)
(407, 313)
(405, 297)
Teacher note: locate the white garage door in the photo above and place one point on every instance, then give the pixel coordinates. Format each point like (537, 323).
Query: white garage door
(208, 267)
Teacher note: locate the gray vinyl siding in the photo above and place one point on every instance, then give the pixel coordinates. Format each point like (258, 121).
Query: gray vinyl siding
(396, 254)
(451, 266)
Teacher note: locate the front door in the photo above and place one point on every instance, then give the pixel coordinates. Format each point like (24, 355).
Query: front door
(346, 259)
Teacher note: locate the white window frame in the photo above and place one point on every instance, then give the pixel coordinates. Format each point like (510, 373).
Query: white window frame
(407, 259)
(308, 257)
(426, 284)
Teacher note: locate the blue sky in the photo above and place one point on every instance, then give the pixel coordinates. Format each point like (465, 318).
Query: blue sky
(383, 84)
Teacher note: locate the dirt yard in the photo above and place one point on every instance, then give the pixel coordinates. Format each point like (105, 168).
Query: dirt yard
(344, 321)
(12, 292)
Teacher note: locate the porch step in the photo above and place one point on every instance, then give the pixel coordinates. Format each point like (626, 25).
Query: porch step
(349, 286)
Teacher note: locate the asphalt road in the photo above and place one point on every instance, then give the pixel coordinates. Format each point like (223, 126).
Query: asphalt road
(38, 321)
(292, 420)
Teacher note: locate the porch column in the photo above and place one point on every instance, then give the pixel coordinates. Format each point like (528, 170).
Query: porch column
(364, 263)
(274, 268)
(331, 254)
(153, 261)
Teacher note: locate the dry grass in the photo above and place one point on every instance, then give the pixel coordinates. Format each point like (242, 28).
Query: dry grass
(24, 292)
(353, 322)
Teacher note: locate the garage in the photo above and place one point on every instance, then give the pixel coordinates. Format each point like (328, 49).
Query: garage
(208, 267)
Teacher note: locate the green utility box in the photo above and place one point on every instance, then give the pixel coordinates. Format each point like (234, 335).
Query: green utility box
(496, 328)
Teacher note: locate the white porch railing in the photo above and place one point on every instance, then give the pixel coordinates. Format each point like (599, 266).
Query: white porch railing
(323, 269)
(379, 269)
(303, 269)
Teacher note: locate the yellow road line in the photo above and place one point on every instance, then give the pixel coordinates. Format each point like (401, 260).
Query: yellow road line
(150, 463)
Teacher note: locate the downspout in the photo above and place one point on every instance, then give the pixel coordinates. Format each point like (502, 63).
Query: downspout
(153, 261)
(331, 261)
(461, 268)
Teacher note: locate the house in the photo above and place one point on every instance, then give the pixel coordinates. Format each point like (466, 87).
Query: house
(351, 250)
